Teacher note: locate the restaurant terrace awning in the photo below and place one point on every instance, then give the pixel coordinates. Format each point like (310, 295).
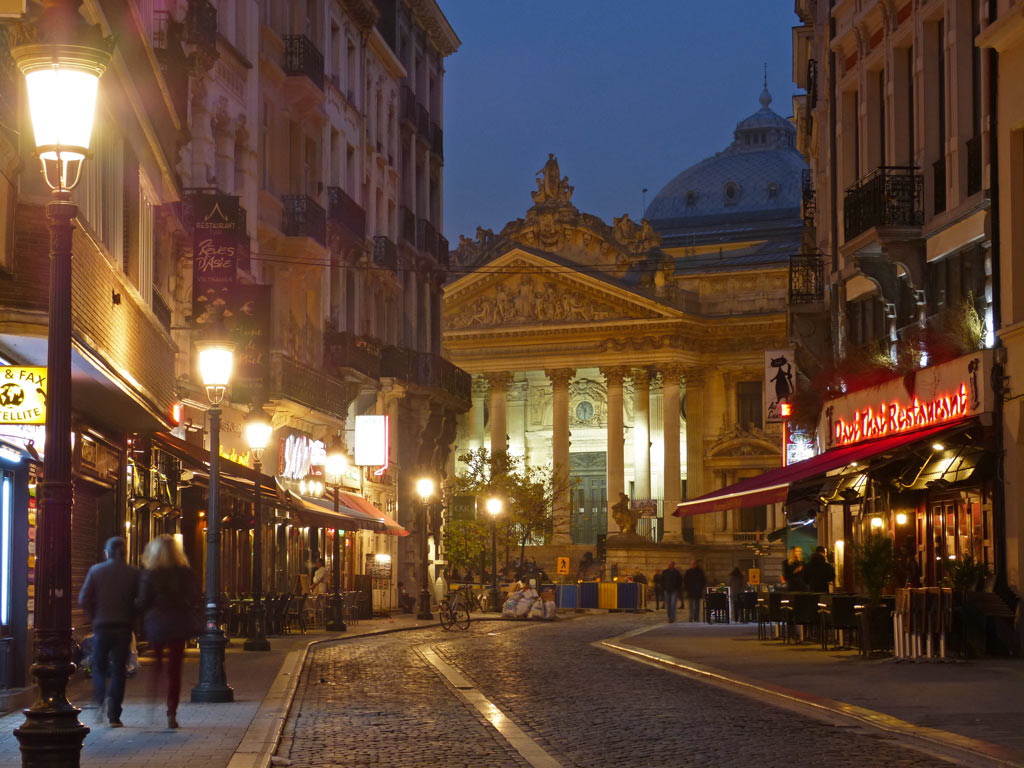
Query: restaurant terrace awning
(320, 513)
(772, 487)
(391, 526)
(198, 458)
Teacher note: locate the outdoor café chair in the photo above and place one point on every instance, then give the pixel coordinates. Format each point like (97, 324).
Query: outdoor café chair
(802, 612)
(716, 608)
(838, 615)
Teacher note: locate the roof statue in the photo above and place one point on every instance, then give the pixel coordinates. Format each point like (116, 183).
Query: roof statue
(552, 187)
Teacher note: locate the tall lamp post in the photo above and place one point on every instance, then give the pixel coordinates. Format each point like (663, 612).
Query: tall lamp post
(494, 507)
(425, 489)
(62, 59)
(335, 468)
(258, 430)
(216, 360)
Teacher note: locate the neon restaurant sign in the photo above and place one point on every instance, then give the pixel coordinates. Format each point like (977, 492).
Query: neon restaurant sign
(895, 417)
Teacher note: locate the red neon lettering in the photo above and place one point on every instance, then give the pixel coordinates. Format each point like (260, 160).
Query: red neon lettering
(896, 417)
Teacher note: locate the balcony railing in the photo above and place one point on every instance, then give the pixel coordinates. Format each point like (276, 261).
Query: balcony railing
(434, 372)
(201, 24)
(650, 528)
(437, 140)
(407, 107)
(810, 200)
(889, 196)
(396, 362)
(974, 165)
(302, 58)
(426, 237)
(443, 253)
(385, 253)
(939, 184)
(812, 83)
(343, 210)
(423, 122)
(304, 218)
(407, 225)
(346, 350)
(806, 278)
(309, 386)
(167, 44)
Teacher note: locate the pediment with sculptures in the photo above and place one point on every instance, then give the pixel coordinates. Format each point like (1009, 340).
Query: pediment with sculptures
(554, 224)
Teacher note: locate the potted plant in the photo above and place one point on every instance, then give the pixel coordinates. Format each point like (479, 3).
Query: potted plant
(874, 562)
(966, 576)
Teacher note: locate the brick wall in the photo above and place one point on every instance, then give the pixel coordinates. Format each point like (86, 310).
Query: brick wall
(127, 336)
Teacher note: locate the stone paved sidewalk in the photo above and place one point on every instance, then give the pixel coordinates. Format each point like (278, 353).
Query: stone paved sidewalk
(978, 698)
(209, 733)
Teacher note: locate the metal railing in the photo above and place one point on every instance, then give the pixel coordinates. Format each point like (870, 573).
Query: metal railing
(974, 165)
(304, 218)
(806, 278)
(302, 58)
(809, 198)
(201, 24)
(385, 253)
(343, 210)
(407, 106)
(650, 528)
(309, 386)
(426, 237)
(443, 250)
(939, 185)
(407, 225)
(346, 350)
(812, 83)
(889, 196)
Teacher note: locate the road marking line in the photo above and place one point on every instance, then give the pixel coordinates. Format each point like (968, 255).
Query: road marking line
(963, 746)
(531, 751)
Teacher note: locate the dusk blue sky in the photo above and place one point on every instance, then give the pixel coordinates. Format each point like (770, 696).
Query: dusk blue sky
(626, 93)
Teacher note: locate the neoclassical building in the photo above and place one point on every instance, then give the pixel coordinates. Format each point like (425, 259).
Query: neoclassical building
(631, 356)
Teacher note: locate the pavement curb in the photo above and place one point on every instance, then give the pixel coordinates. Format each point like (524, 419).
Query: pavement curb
(946, 744)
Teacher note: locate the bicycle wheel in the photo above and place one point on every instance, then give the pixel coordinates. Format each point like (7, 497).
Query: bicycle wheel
(461, 616)
(444, 613)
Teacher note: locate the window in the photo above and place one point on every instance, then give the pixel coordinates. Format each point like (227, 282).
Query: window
(731, 192)
(773, 190)
(752, 519)
(691, 198)
(865, 320)
(749, 402)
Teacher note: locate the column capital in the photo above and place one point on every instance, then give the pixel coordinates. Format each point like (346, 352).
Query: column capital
(481, 386)
(694, 375)
(670, 372)
(641, 377)
(499, 380)
(614, 374)
(560, 377)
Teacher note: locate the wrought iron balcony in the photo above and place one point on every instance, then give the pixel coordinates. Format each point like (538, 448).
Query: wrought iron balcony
(889, 196)
(170, 54)
(385, 253)
(396, 362)
(939, 184)
(812, 83)
(301, 383)
(343, 210)
(201, 25)
(443, 252)
(407, 106)
(806, 278)
(407, 225)
(434, 372)
(304, 218)
(302, 58)
(810, 200)
(426, 237)
(974, 165)
(346, 350)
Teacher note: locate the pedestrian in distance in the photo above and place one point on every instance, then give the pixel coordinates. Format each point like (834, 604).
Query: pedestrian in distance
(671, 583)
(108, 597)
(793, 571)
(819, 573)
(405, 601)
(169, 600)
(694, 582)
(656, 582)
(320, 578)
(737, 584)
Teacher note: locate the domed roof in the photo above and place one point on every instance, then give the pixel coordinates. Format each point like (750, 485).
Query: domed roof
(760, 171)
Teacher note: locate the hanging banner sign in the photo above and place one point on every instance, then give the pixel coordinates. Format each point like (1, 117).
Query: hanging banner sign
(779, 381)
(22, 395)
(250, 329)
(216, 224)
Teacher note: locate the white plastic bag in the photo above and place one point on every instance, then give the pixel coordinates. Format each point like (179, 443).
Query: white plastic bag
(537, 609)
(509, 609)
(523, 607)
(550, 609)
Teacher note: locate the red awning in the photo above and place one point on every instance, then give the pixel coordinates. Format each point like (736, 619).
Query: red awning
(320, 513)
(391, 526)
(772, 487)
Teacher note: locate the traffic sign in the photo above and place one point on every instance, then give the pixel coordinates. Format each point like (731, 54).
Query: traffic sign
(753, 576)
(562, 568)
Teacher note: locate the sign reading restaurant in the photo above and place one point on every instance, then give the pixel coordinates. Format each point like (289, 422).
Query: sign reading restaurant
(931, 397)
(22, 395)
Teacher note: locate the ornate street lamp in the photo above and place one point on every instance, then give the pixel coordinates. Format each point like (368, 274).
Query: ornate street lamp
(334, 468)
(494, 506)
(216, 361)
(62, 59)
(258, 430)
(425, 489)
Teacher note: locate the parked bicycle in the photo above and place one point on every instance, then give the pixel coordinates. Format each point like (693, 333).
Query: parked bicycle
(453, 610)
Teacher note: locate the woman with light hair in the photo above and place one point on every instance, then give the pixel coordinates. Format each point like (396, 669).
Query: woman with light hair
(168, 599)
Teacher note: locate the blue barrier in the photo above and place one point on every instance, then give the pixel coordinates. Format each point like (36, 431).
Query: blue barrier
(567, 596)
(629, 596)
(588, 594)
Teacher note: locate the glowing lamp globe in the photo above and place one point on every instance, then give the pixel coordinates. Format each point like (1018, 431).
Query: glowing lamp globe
(494, 506)
(425, 488)
(216, 363)
(258, 430)
(336, 462)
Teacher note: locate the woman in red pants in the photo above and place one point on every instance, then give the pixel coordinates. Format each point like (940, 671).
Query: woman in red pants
(168, 596)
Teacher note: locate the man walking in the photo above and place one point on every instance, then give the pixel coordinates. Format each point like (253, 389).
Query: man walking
(108, 596)
(819, 573)
(694, 580)
(671, 583)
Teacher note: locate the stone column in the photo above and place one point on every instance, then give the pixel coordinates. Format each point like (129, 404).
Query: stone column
(694, 432)
(672, 490)
(499, 424)
(616, 465)
(642, 434)
(560, 379)
(476, 414)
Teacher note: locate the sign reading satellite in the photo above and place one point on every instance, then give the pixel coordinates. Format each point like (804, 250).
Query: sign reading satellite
(22, 395)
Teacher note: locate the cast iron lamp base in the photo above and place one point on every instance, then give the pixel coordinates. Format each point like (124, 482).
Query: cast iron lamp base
(425, 614)
(212, 687)
(336, 622)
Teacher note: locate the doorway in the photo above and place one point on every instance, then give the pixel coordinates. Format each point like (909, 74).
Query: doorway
(589, 514)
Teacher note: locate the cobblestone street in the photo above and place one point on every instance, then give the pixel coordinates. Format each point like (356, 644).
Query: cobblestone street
(376, 701)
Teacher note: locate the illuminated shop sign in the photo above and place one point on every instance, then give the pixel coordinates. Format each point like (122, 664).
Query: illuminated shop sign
(931, 397)
(372, 442)
(22, 395)
(299, 455)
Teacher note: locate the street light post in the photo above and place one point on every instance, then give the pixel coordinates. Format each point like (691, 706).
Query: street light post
(62, 59)
(425, 489)
(494, 507)
(258, 429)
(334, 469)
(216, 359)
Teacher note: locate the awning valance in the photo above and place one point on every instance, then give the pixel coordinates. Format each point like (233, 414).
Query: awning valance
(772, 487)
(391, 526)
(198, 458)
(320, 513)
